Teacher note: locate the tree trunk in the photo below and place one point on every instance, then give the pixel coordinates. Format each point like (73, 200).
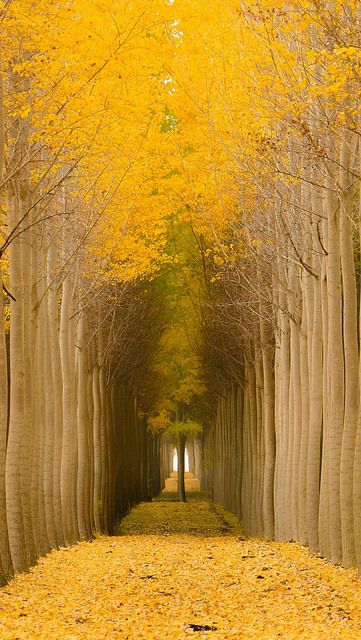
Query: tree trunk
(57, 391)
(6, 567)
(83, 505)
(97, 498)
(315, 427)
(181, 467)
(69, 426)
(268, 426)
(351, 352)
(15, 456)
(335, 372)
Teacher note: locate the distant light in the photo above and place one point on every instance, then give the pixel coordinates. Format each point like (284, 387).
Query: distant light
(186, 460)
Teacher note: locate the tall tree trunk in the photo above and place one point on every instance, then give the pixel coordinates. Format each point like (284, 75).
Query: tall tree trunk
(16, 456)
(5, 558)
(181, 467)
(69, 426)
(357, 455)
(47, 436)
(335, 371)
(324, 527)
(316, 401)
(351, 351)
(83, 505)
(97, 498)
(269, 424)
(6, 567)
(57, 390)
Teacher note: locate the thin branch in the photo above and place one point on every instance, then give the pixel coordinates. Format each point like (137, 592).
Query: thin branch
(8, 292)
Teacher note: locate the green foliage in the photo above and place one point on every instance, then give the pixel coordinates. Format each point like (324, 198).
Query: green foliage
(169, 122)
(176, 370)
(185, 427)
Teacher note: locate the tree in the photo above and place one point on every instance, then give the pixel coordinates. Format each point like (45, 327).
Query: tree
(176, 363)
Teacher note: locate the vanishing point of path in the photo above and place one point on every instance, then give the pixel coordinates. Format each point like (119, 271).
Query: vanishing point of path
(181, 571)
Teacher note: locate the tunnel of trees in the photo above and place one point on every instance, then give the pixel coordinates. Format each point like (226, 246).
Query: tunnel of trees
(180, 262)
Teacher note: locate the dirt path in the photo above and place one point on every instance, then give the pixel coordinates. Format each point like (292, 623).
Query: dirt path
(193, 576)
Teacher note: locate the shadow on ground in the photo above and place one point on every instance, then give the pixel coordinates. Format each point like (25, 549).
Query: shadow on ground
(167, 517)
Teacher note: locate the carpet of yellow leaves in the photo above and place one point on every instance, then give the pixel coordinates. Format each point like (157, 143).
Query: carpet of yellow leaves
(157, 586)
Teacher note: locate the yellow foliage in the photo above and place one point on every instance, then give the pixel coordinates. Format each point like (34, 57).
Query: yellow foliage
(163, 107)
(160, 421)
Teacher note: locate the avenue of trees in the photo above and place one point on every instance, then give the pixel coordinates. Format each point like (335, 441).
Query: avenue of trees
(74, 452)
(180, 243)
(286, 315)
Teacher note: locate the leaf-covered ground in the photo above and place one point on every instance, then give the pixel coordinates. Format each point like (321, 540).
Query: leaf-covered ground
(169, 517)
(177, 583)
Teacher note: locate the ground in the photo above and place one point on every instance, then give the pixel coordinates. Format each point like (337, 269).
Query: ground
(180, 571)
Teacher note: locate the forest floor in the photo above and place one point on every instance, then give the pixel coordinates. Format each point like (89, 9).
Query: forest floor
(181, 571)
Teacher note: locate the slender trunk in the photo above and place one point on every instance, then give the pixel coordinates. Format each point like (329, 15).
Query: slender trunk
(57, 392)
(268, 426)
(315, 427)
(284, 511)
(5, 558)
(307, 314)
(335, 372)
(69, 514)
(15, 451)
(6, 568)
(97, 500)
(324, 503)
(104, 453)
(47, 402)
(351, 353)
(83, 506)
(181, 450)
(357, 459)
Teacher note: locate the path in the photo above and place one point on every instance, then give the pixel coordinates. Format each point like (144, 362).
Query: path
(192, 576)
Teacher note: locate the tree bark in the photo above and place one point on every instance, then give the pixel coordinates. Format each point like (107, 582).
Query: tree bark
(181, 467)
(6, 568)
